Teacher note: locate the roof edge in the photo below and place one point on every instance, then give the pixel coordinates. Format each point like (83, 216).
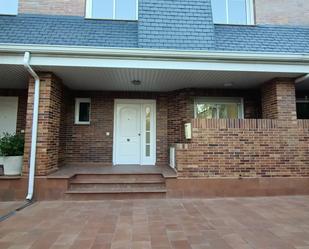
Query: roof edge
(54, 50)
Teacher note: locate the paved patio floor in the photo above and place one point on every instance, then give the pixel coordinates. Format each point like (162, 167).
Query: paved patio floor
(240, 223)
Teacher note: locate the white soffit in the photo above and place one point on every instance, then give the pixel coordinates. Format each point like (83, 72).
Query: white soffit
(156, 80)
(13, 77)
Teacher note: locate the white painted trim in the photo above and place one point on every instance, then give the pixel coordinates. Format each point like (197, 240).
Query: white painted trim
(77, 106)
(154, 133)
(88, 9)
(89, 12)
(250, 12)
(221, 100)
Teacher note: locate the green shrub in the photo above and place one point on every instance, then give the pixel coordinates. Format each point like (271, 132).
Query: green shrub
(12, 145)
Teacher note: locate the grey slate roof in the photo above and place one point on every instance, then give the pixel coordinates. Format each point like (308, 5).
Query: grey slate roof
(284, 39)
(78, 31)
(67, 30)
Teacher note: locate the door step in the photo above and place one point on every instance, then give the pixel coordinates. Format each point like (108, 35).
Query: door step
(116, 186)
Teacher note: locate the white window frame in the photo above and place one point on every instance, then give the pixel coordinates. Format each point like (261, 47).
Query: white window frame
(221, 100)
(77, 109)
(249, 12)
(11, 13)
(89, 11)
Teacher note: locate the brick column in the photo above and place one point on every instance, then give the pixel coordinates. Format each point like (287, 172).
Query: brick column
(278, 99)
(51, 99)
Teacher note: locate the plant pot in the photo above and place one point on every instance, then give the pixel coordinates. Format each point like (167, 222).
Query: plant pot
(12, 165)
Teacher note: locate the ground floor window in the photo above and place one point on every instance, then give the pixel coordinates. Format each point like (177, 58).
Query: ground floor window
(82, 110)
(218, 108)
(302, 106)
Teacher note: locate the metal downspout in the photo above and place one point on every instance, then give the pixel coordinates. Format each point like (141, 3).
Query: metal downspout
(34, 125)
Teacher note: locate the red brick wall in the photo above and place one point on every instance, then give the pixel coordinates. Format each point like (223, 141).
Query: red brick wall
(286, 12)
(274, 148)
(266, 12)
(89, 144)
(53, 7)
(250, 148)
(51, 96)
(278, 99)
(22, 106)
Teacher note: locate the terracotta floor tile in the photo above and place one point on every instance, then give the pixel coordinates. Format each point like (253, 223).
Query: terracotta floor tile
(226, 223)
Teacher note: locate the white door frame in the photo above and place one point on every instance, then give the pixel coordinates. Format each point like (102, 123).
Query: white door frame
(143, 102)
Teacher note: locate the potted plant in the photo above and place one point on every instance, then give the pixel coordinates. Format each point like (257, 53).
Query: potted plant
(12, 151)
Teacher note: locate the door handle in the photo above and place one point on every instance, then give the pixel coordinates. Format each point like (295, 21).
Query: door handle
(139, 134)
(128, 139)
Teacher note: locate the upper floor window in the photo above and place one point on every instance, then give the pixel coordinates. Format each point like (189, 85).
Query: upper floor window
(112, 9)
(233, 12)
(219, 108)
(8, 7)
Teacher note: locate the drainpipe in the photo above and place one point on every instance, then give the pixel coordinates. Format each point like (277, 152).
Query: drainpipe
(34, 125)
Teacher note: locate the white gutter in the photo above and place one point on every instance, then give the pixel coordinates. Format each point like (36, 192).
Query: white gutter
(151, 53)
(35, 118)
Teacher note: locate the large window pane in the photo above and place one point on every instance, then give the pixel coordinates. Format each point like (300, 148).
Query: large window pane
(102, 9)
(219, 11)
(206, 111)
(126, 9)
(8, 7)
(228, 111)
(237, 11)
(218, 108)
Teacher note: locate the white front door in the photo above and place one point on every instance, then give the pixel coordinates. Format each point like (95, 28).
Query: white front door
(8, 114)
(134, 132)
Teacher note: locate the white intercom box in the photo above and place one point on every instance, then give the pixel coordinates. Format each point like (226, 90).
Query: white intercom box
(188, 131)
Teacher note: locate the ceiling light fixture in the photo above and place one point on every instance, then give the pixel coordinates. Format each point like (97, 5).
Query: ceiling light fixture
(228, 84)
(136, 82)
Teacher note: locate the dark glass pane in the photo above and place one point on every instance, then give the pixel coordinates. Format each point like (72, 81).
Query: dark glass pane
(302, 110)
(84, 112)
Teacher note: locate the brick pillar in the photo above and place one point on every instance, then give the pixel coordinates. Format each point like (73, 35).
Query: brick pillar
(278, 99)
(51, 99)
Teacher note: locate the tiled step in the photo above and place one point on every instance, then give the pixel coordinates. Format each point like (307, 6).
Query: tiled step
(116, 186)
(119, 177)
(114, 181)
(83, 196)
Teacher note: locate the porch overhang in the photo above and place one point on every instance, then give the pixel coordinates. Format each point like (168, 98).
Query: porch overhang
(158, 68)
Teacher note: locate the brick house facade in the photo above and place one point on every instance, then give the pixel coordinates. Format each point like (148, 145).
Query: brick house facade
(249, 78)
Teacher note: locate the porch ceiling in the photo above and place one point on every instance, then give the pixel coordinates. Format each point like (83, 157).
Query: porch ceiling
(119, 79)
